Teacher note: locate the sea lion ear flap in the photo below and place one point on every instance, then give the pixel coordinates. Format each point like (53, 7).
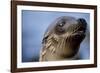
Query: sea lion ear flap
(82, 21)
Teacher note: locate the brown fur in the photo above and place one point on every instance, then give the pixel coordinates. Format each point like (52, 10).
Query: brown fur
(62, 39)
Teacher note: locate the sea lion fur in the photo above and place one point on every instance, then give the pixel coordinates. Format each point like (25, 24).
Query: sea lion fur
(63, 38)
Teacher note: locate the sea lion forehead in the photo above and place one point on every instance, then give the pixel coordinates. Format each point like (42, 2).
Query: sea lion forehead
(67, 19)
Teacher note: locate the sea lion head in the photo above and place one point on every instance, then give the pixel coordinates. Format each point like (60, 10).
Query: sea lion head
(63, 37)
(72, 31)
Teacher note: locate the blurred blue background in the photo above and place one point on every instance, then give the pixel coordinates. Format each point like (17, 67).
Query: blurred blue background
(35, 23)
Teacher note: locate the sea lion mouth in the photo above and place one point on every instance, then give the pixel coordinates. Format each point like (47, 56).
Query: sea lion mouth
(74, 41)
(79, 32)
(77, 35)
(82, 25)
(80, 29)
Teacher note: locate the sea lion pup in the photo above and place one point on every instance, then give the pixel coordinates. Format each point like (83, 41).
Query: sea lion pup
(63, 38)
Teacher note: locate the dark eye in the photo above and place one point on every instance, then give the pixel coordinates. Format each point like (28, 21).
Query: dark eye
(61, 24)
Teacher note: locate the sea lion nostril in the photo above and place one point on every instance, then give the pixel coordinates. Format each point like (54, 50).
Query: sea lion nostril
(82, 22)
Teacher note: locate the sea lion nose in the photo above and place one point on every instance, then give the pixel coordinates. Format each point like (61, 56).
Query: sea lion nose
(83, 24)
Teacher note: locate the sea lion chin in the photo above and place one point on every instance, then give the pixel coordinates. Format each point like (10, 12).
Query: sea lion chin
(63, 39)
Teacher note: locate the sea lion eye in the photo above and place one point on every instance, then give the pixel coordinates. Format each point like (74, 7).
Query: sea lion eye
(61, 24)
